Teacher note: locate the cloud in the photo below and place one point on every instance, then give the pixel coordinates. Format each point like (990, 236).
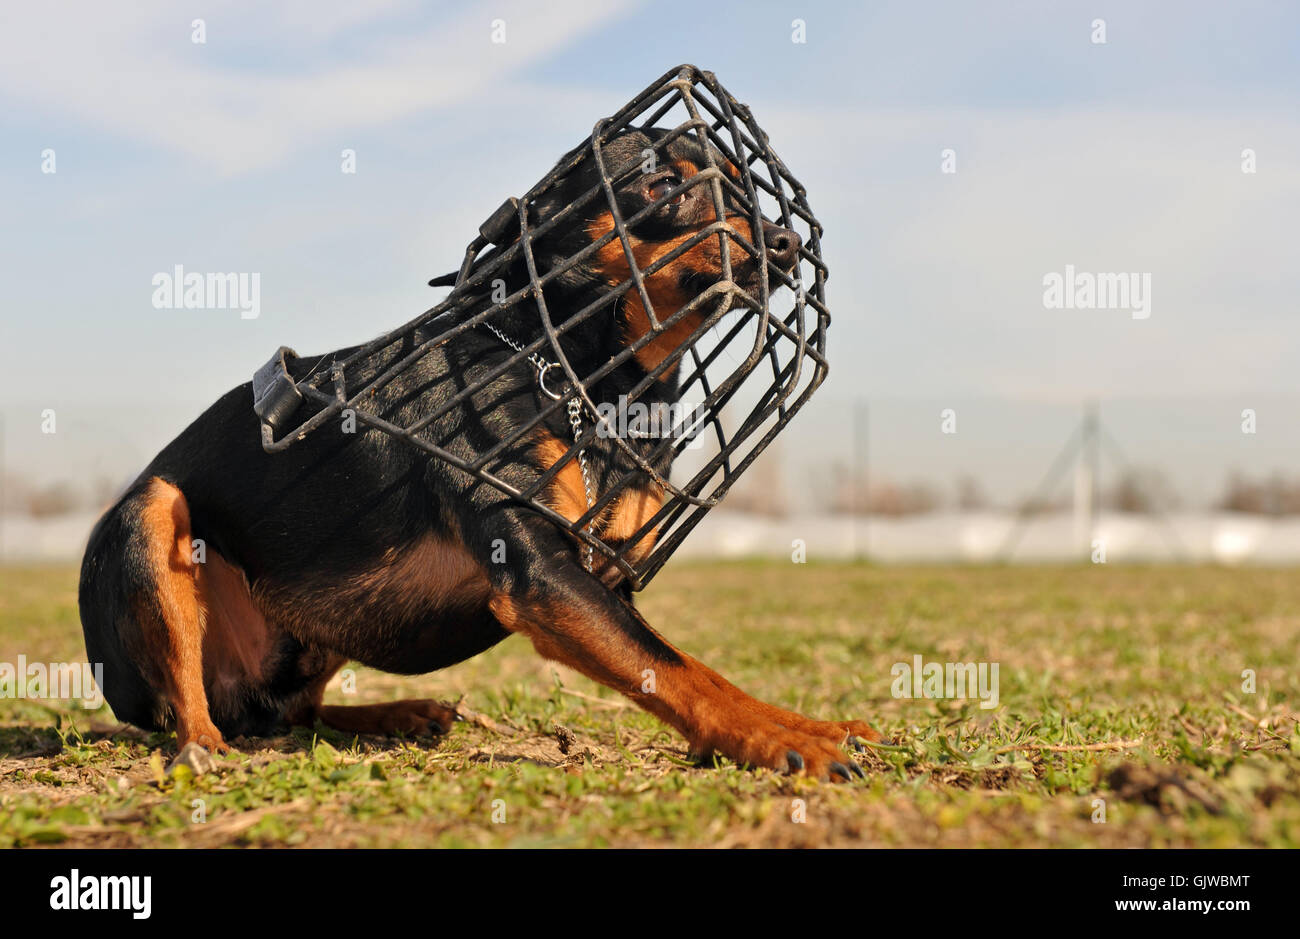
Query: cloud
(133, 71)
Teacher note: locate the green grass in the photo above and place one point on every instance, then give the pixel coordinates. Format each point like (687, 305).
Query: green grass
(1145, 662)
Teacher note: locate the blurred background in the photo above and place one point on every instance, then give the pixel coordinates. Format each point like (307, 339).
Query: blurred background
(956, 153)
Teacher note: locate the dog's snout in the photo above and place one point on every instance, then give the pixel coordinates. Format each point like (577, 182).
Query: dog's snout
(782, 246)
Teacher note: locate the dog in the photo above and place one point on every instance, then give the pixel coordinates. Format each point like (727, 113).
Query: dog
(227, 585)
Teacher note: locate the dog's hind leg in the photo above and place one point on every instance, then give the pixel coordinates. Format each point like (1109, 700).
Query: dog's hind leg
(414, 716)
(168, 620)
(411, 716)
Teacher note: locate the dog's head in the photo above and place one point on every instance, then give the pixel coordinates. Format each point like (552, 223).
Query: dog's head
(615, 268)
(663, 187)
(665, 195)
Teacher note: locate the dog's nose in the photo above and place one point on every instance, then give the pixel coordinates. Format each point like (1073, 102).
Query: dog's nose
(782, 246)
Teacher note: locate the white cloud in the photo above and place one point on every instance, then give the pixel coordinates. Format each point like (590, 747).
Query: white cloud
(132, 70)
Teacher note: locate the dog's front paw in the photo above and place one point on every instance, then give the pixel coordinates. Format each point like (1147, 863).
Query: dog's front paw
(778, 748)
(209, 738)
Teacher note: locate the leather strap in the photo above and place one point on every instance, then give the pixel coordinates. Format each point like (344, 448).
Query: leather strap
(275, 393)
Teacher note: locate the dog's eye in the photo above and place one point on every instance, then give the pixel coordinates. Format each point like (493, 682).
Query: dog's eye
(661, 187)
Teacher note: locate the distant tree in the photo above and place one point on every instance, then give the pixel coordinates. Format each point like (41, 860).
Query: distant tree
(970, 495)
(58, 499)
(1031, 505)
(25, 496)
(761, 491)
(1142, 490)
(848, 492)
(1275, 495)
(854, 494)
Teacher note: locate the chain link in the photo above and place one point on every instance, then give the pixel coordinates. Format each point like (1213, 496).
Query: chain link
(539, 363)
(575, 421)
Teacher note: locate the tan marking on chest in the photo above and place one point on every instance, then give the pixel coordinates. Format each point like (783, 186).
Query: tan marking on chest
(618, 522)
(631, 511)
(566, 494)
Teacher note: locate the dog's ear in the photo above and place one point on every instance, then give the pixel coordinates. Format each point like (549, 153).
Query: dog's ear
(629, 149)
(620, 154)
(502, 228)
(567, 187)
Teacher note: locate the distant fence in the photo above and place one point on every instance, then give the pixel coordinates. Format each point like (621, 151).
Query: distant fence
(1226, 538)
(892, 479)
(980, 537)
(997, 451)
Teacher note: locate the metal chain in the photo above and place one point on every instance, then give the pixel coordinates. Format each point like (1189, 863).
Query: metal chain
(543, 367)
(575, 421)
(539, 363)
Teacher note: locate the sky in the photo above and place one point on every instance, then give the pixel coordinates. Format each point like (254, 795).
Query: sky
(1122, 156)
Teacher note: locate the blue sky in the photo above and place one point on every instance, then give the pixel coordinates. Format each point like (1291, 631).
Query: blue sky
(225, 157)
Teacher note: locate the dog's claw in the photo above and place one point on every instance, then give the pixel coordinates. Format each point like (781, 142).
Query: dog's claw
(794, 760)
(839, 769)
(857, 771)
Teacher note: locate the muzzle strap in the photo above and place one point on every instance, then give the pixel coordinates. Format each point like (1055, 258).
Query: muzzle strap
(275, 394)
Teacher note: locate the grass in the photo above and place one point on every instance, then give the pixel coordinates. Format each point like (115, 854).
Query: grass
(1120, 688)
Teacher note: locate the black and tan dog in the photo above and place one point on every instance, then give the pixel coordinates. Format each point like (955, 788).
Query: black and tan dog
(359, 547)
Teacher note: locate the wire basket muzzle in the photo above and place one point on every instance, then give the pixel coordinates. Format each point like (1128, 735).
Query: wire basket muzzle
(715, 367)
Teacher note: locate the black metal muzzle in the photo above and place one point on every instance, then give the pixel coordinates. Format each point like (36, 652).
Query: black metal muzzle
(742, 363)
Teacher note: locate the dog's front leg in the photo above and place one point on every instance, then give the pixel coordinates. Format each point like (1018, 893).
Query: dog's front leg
(572, 618)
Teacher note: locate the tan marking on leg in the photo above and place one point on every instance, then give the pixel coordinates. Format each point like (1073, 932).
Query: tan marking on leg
(624, 518)
(566, 494)
(178, 639)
